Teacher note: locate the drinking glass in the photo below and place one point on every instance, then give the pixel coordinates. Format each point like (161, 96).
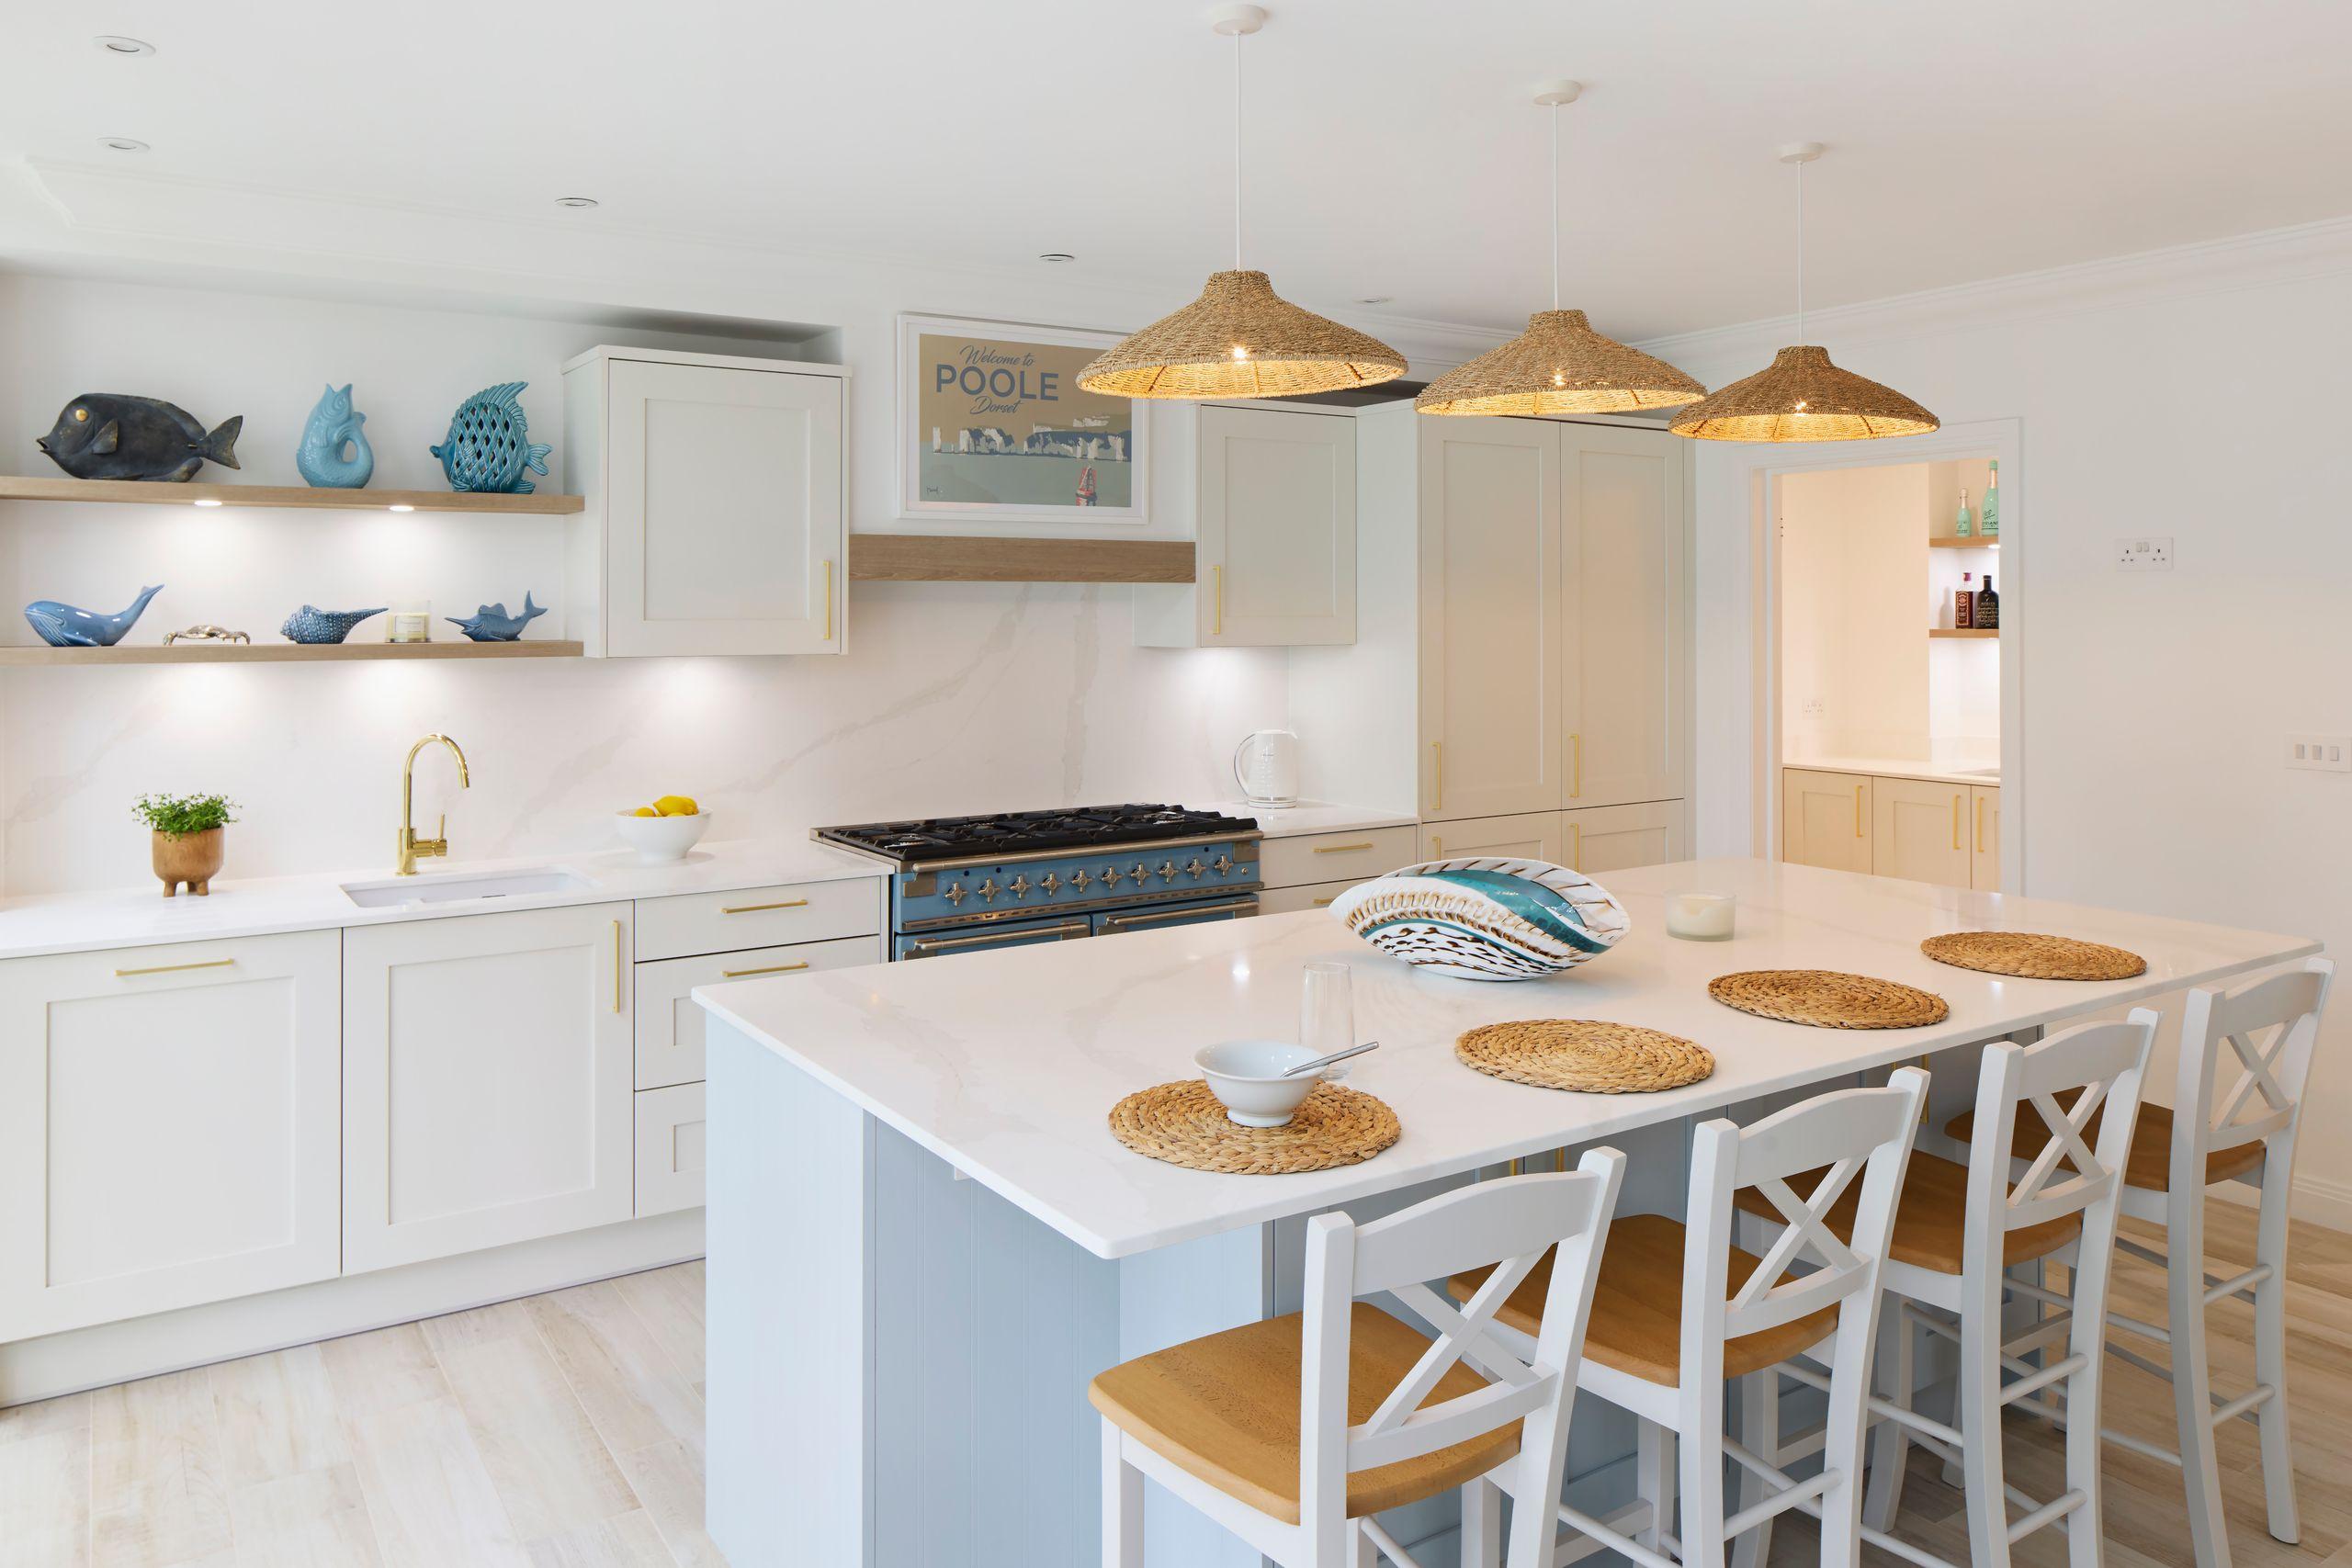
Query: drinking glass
(1327, 1014)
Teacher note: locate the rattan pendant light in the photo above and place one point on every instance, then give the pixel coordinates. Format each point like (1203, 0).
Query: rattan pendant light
(1801, 396)
(1559, 365)
(1241, 339)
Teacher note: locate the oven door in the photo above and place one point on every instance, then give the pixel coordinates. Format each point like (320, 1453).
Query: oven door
(988, 939)
(1239, 908)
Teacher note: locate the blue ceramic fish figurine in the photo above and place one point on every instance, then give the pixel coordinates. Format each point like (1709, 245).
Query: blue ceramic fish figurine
(62, 626)
(332, 427)
(310, 624)
(105, 435)
(486, 449)
(491, 623)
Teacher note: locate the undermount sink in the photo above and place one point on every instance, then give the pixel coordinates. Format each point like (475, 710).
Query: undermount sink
(527, 881)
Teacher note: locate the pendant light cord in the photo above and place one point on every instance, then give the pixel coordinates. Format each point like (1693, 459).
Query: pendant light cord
(1555, 206)
(1801, 253)
(1237, 152)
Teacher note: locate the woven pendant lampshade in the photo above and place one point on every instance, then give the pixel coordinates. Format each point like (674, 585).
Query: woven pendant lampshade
(1801, 396)
(1559, 365)
(1241, 339)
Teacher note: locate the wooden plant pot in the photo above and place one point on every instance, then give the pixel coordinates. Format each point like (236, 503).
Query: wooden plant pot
(193, 859)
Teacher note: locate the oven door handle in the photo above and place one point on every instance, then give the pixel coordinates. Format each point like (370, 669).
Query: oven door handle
(1238, 908)
(927, 946)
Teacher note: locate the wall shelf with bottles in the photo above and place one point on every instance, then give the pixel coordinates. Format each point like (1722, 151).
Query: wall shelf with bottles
(1964, 631)
(1963, 544)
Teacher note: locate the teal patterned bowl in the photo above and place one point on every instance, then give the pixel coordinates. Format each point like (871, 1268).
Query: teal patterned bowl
(1488, 918)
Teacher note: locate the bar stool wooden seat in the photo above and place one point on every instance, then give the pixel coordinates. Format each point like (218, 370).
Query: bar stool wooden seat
(1678, 1309)
(1292, 1432)
(2267, 1028)
(1930, 1220)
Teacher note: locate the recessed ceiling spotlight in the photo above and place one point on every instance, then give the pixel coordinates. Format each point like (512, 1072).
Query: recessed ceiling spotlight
(115, 43)
(576, 201)
(1055, 256)
(1377, 299)
(121, 144)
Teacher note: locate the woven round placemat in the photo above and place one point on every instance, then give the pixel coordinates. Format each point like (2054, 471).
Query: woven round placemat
(1827, 1000)
(1583, 1055)
(2031, 957)
(1183, 1125)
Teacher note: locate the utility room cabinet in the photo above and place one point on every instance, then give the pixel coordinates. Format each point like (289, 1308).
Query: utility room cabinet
(1825, 818)
(1274, 560)
(714, 521)
(1919, 829)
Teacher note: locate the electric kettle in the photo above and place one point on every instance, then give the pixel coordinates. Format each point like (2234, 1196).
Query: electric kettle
(1266, 767)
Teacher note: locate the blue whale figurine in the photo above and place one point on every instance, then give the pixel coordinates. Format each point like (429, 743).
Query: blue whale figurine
(491, 623)
(334, 425)
(62, 626)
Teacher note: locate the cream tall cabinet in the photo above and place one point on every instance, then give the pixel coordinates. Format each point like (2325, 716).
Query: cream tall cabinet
(715, 521)
(1553, 623)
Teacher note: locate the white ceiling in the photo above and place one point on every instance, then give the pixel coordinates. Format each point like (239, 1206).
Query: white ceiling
(1391, 146)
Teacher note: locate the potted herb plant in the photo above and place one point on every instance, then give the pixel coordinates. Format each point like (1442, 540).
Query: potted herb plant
(187, 845)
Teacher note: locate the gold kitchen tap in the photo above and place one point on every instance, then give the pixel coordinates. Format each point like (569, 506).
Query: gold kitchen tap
(413, 848)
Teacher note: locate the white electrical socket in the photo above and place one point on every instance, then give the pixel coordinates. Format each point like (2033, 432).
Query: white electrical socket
(2321, 753)
(2143, 554)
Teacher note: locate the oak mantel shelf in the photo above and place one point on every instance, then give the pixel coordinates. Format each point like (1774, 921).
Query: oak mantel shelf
(956, 557)
(285, 652)
(153, 493)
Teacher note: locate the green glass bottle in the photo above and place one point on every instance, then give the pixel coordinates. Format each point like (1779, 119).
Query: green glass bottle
(1988, 515)
(1963, 527)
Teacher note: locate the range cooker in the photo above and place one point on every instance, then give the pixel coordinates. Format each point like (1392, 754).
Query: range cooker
(973, 884)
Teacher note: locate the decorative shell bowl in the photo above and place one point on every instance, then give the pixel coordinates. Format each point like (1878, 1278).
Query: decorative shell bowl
(1486, 919)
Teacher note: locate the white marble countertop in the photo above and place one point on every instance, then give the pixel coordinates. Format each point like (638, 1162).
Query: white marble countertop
(264, 906)
(1006, 1064)
(1309, 817)
(1899, 768)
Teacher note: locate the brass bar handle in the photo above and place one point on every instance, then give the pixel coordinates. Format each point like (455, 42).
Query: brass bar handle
(1437, 793)
(1157, 915)
(940, 944)
(1576, 846)
(755, 909)
(1955, 822)
(768, 969)
(1325, 903)
(1342, 849)
(1216, 596)
(829, 600)
(1980, 824)
(1437, 847)
(616, 967)
(1576, 773)
(173, 968)
(1857, 811)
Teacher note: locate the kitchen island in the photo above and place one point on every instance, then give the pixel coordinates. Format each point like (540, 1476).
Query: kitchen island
(924, 1240)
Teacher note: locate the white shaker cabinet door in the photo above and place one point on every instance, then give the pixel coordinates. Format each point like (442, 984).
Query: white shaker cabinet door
(486, 1081)
(1622, 595)
(1490, 617)
(1826, 819)
(167, 1128)
(1920, 831)
(725, 527)
(1533, 836)
(1278, 528)
(1604, 838)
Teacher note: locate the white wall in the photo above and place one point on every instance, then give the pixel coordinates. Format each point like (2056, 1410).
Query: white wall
(2197, 395)
(953, 697)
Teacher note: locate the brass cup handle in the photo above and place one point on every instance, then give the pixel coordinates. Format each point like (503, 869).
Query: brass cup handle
(173, 968)
(764, 969)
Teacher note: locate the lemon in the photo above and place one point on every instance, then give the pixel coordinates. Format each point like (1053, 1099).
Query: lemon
(676, 805)
(645, 811)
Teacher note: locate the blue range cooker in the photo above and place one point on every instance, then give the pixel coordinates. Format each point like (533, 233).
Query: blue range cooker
(972, 884)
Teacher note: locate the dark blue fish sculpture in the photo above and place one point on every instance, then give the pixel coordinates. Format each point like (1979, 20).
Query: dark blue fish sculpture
(486, 449)
(491, 623)
(62, 626)
(105, 435)
(310, 624)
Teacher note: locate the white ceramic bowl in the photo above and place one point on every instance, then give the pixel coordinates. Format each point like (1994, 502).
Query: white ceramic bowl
(661, 839)
(1246, 1076)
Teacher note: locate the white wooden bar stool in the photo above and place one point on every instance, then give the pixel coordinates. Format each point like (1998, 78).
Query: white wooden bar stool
(1958, 1228)
(2268, 1027)
(1293, 1432)
(1679, 1309)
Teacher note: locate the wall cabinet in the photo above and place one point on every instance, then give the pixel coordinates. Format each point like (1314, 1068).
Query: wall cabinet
(1276, 555)
(1595, 839)
(168, 1128)
(1552, 620)
(1826, 819)
(487, 1093)
(715, 521)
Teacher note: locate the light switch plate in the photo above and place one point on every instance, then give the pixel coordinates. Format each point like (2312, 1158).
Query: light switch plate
(2319, 754)
(2143, 554)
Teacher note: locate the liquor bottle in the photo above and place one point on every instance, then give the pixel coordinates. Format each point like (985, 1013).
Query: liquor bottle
(1963, 528)
(1964, 603)
(1989, 514)
(1988, 606)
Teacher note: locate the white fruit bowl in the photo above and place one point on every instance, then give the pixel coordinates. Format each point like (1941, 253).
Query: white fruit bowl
(659, 841)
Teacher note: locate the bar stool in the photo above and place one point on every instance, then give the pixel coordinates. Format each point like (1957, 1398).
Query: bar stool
(1678, 1309)
(2269, 1026)
(1958, 1228)
(1293, 1431)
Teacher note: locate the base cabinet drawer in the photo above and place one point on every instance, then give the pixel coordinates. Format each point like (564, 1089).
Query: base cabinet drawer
(1313, 896)
(1527, 835)
(690, 924)
(1326, 857)
(670, 1148)
(669, 1024)
(1611, 838)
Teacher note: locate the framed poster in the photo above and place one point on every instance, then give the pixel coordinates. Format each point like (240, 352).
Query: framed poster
(993, 428)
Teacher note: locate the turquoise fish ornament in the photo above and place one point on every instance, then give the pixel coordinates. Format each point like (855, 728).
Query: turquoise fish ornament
(332, 427)
(62, 626)
(487, 449)
(491, 623)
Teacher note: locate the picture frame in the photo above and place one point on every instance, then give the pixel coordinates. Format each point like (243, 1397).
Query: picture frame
(992, 428)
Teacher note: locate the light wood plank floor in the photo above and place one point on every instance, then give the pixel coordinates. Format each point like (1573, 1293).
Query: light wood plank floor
(565, 1431)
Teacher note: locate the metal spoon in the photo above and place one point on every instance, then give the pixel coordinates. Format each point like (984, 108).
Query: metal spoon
(1320, 1062)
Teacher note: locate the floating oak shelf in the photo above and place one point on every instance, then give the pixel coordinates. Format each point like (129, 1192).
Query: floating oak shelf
(1963, 544)
(285, 652)
(951, 558)
(1964, 631)
(32, 487)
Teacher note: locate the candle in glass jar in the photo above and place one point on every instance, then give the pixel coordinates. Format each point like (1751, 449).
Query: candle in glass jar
(1700, 917)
